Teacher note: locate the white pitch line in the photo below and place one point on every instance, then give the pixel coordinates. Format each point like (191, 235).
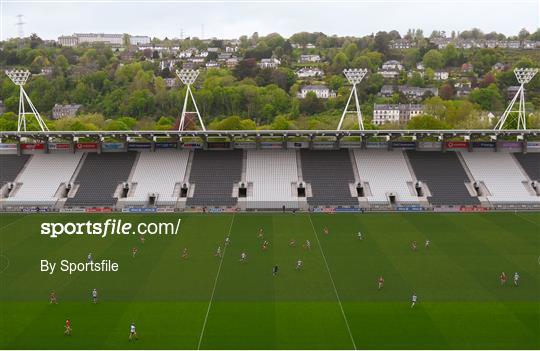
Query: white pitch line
(333, 284)
(214, 288)
(526, 219)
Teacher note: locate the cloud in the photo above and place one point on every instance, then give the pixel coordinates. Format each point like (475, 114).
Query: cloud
(50, 19)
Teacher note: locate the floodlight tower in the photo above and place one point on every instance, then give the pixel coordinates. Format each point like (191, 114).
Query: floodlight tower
(188, 77)
(19, 77)
(523, 76)
(354, 76)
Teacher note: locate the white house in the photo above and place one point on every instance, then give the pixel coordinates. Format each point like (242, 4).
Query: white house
(310, 58)
(269, 63)
(309, 72)
(390, 69)
(441, 75)
(392, 65)
(395, 113)
(322, 91)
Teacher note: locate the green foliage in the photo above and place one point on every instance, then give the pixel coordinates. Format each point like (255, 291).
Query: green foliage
(433, 59)
(115, 86)
(489, 98)
(426, 122)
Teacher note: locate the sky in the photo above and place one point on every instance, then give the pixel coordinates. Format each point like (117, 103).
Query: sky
(231, 19)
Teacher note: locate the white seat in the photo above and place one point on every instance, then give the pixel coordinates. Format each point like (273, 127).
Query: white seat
(42, 177)
(272, 172)
(386, 172)
(501, 174)
(157, 173)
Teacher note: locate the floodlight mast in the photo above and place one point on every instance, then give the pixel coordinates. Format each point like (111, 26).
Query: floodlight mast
(523, 76)
(19, 78)
(188, 77)
(354, 76)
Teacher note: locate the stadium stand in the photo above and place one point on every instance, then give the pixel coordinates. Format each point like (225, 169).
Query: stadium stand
(444, 176)
(387, 173)
(530, 164)
(99, 178)
(157, 174)
(11, 166)
(214, 175)
(502, 176)
(272, 174)
(42, 177)
(329, 174)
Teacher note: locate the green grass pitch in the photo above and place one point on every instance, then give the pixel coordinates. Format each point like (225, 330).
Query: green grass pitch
(332, 303)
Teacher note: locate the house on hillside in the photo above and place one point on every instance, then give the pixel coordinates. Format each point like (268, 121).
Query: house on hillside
(396, 113)
(321, 91)
(62, 111)
(269, 63)
(309, 72)
(441, 75)
(310, 59)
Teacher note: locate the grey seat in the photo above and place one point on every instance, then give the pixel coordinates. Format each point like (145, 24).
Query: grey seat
(329, 173)
(11, 166)
(99, 177)
(444, 176)
(214, 174)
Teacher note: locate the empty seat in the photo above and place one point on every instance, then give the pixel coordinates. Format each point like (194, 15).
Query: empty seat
(501, 175)
(444, 176)
(272, 173)
(386, 172)
(329, 173)
(158, 173)
(10, 166)
(530, 164)
(99, 178)
(41, 178)
(214, 174)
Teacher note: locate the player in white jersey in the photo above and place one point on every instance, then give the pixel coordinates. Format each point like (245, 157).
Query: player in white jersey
(94, 295)
(218, 251)
(243, 257)
(427, 243)
(299, 264)
(132, 332)
(227, 240)
(89, 258)
(307, 245)
(414, 299)
(516, 279)
(359, 236)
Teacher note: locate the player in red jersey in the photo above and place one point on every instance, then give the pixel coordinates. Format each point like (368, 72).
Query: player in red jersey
(292, 243)
(142, 239)
(503, 278)
(52, 297)
(134, 251)
(381, 282)
(68, 327)
(326, 231)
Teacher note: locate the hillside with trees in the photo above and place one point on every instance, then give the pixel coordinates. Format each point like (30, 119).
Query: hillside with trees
(133, 88)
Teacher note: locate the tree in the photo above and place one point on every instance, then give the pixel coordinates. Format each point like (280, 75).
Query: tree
(311, 104)
(340, 62)
(423, 122)
(489, 98)
(433, 59)
(446, 91)
(350, 50)
(246, 68)
(416, 80)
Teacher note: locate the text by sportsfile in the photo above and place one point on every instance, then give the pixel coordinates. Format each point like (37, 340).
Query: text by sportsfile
(109, 226)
